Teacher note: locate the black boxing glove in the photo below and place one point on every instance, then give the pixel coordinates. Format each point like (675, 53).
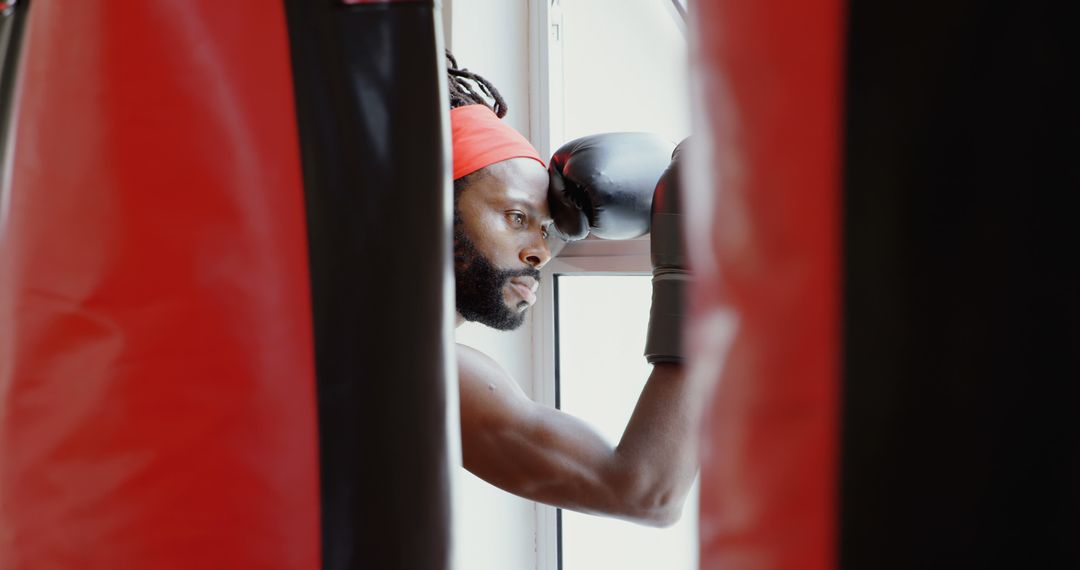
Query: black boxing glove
(605, 183)
(670, 277)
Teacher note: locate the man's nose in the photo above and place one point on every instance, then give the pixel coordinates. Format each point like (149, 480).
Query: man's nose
(536, 254)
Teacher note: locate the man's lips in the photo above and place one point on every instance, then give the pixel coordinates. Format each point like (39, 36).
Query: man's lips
(525, 287)
(528, 282)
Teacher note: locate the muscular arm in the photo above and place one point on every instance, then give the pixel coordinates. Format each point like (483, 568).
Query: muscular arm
(549, 456)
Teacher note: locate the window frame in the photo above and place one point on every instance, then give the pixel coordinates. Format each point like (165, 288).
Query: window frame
(586, 257)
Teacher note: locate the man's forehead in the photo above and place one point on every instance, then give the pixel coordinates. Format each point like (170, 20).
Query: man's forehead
(518, 180)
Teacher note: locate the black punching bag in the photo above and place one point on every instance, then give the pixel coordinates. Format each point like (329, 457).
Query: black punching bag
(371, 104)
(880, 227)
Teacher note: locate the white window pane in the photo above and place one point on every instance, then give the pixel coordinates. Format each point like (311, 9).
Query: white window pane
(624, 68)
(601, 338)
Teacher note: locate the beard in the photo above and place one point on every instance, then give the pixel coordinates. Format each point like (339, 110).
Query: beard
(479, 286)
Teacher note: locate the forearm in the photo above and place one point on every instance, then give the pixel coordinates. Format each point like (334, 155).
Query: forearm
(660, 443)
(646, 477)
(657, 454)
(546, 455)
(558, 459)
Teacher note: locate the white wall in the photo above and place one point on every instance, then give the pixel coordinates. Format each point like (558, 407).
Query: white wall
(491, 37)
(494, 529)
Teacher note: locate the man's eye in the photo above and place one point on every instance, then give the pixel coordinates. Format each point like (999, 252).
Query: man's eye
(516, 218)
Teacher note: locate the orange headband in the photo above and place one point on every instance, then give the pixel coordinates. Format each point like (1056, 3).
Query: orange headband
(480, 139)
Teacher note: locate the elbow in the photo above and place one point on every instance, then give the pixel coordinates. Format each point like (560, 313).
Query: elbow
(652, 503)
(664, 510)
(664, 516)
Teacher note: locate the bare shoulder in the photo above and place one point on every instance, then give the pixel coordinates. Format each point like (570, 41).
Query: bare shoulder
(476, 364)
(486, 388)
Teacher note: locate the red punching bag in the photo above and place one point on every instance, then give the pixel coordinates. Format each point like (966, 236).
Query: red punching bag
(887, 294)
(194, 350)
(762, 201)
(156, 370)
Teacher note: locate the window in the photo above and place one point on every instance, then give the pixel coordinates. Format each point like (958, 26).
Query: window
(603, 66)
(600, 326)
(609, 65)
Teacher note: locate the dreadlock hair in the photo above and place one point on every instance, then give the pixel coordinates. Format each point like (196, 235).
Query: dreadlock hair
(468, 88)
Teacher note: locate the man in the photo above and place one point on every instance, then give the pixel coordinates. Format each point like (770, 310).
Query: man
(502, 216)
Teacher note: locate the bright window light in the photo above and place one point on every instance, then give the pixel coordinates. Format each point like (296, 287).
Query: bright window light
(602, 321)
(624, 68)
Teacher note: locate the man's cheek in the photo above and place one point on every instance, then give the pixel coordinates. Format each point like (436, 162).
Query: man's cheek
(495, 245)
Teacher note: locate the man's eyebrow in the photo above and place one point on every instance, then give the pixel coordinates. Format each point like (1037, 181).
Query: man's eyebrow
(535, 212)
(531, 209)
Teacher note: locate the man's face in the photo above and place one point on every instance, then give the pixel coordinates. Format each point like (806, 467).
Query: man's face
(500, 222)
